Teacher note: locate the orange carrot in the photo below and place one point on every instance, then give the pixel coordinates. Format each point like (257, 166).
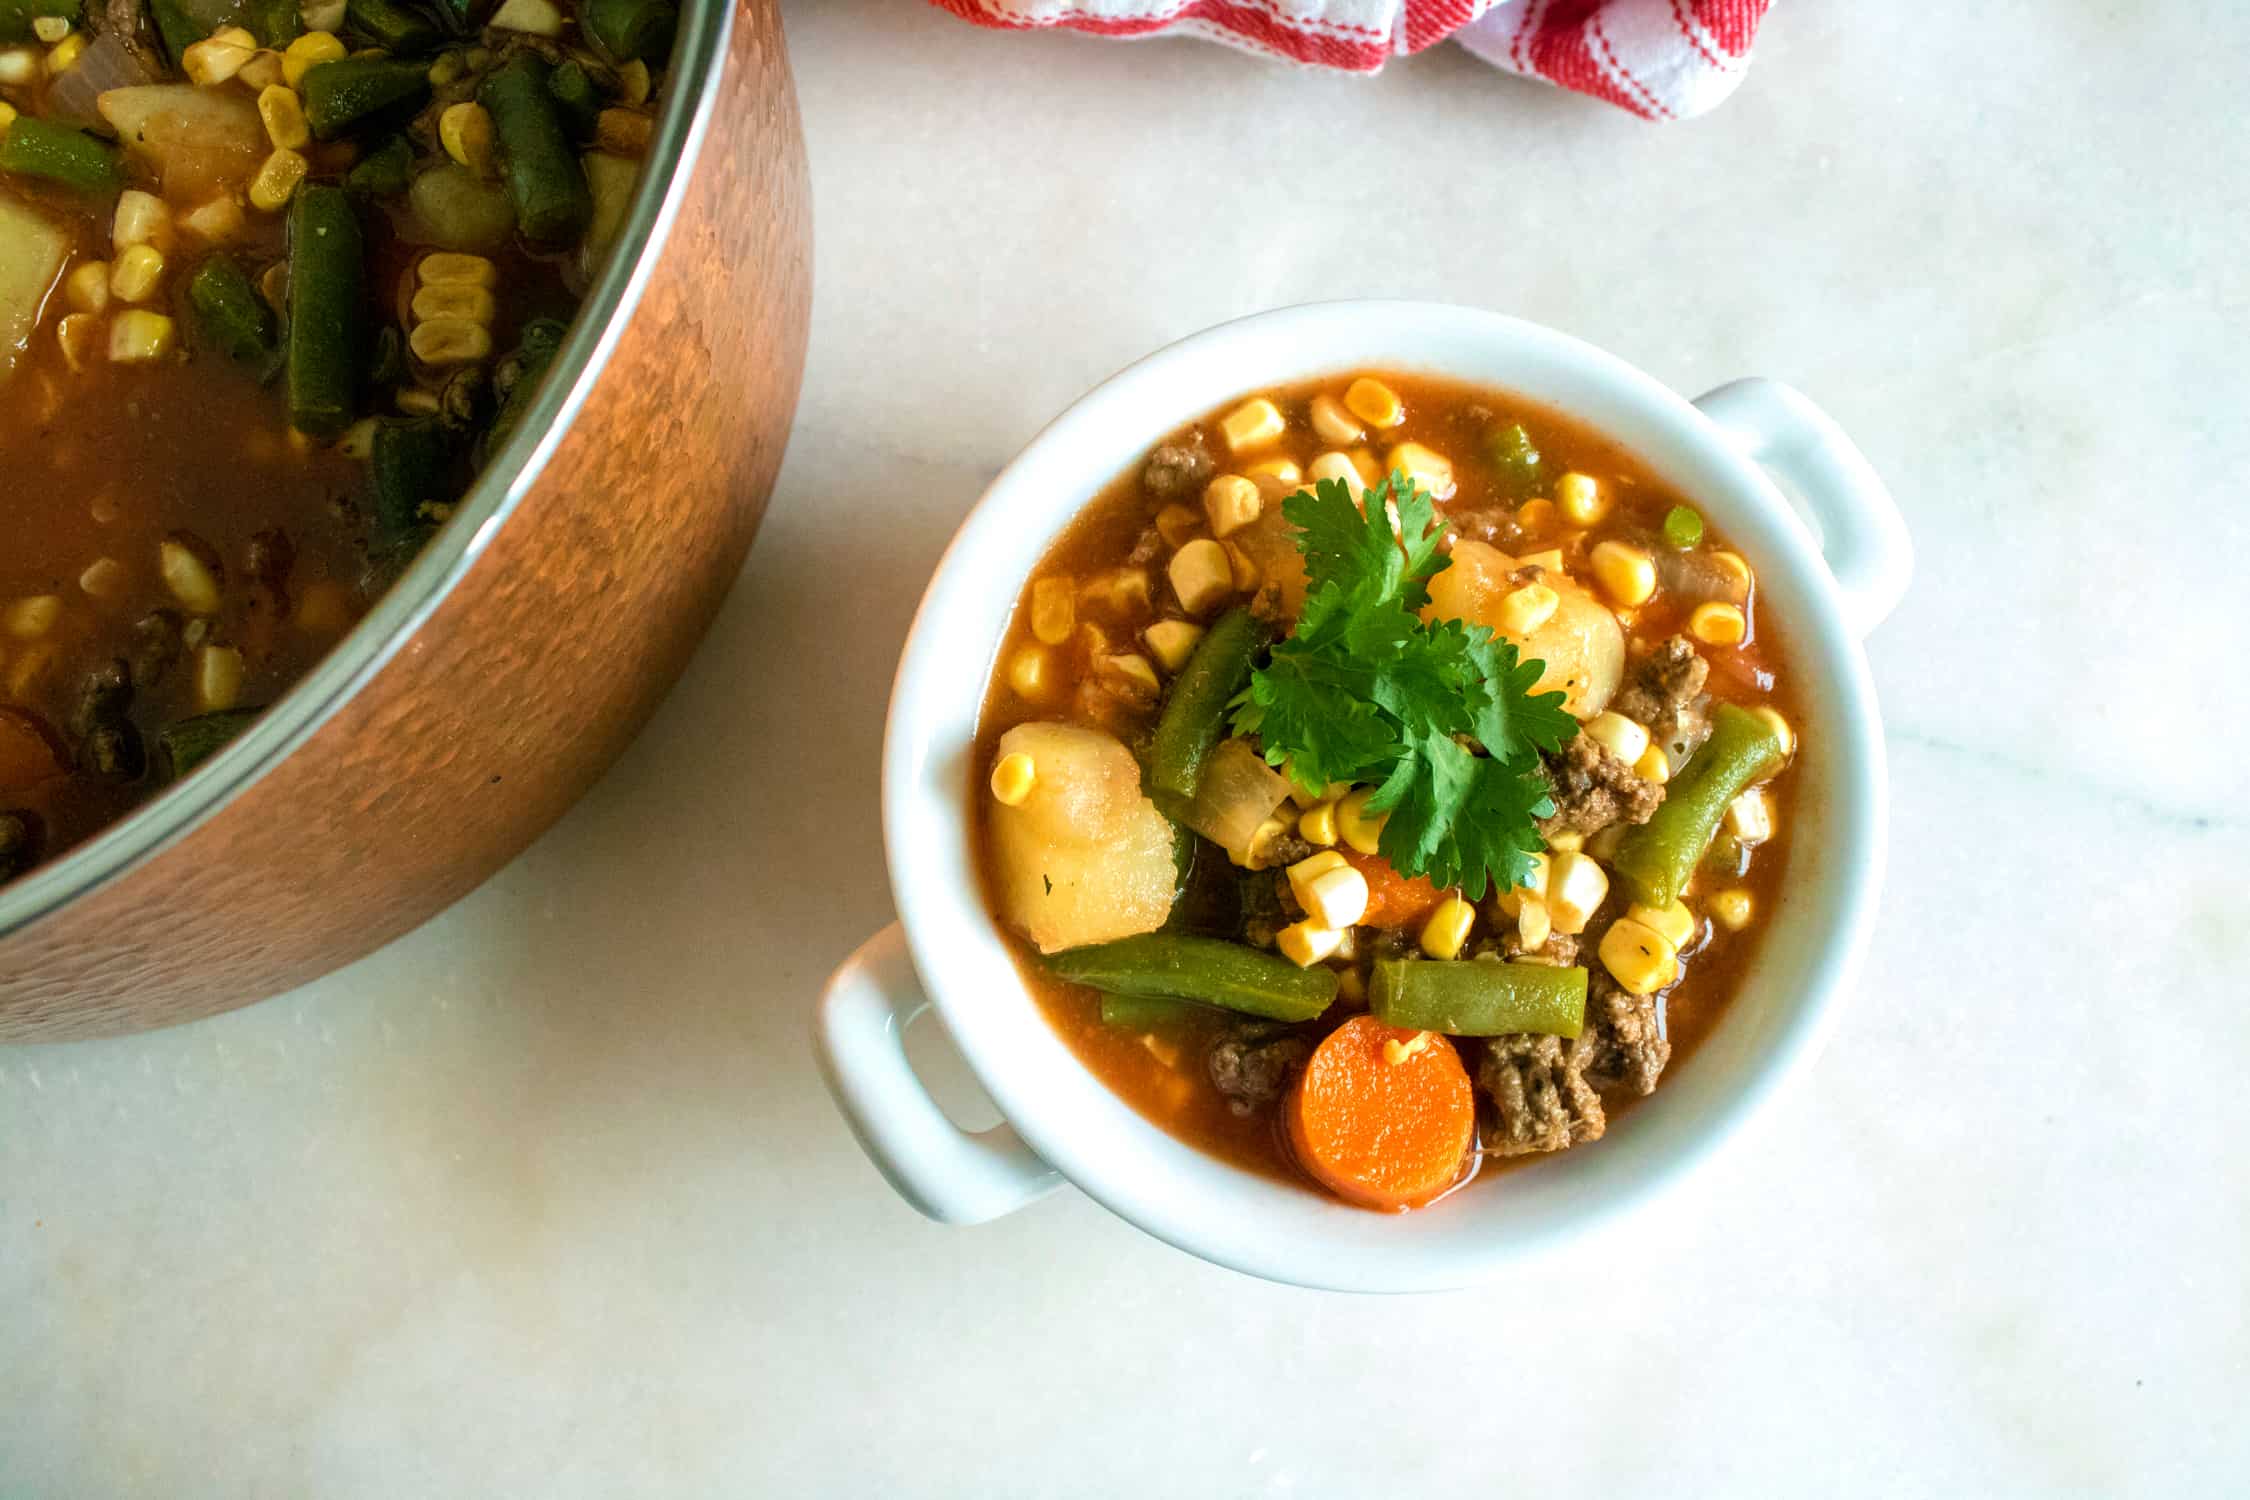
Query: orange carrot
(1381, 1116)
(1393, 900)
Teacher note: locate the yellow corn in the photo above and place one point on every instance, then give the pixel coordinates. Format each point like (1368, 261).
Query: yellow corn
(1031, 673)
(1339, 467)
(1734, 564)
(7, 115)
(87, 287)
(136, 274)
(1307, 943)
(1427, 468)
(1533, 925)
(262, 71)
(468, 304)
(1780, 727)
(1354, 826)
(452, 268)
(1231, 502)
(1652, 766)
(1718, 624)
(1369, 471)
(284, 117)
(1253, 424)
(29, 619)
(1317, 825)
(1245, 570)
(1396, 1052)
(1054, 610)
(218, 57)
(1525, 609)
(1446, 933)
(465, 130)
(1580, 499)
(103, 578)
(1675, 923)
(1638, 957)
(1374, 403)
(1750, 817)
(66, 53)
(140, 219)
(1173, 641)
(1178, 525)
(215, 221)
(188, 577)
(1133, 672)
(449, 341)
(1013, 778)
(1334, 423)
(1534, 888)
(50, 29)
(1625, 572)
(633, 82)
(1538, 515)
(138, 336)
(1202, 574)
(1622, 737)
(276, 182)
(218, 678)
(79, 335)
(1312, 867)
(1731, 909)
(1334, 895)
(1567, 841)
(308, 51)
(1576, 887)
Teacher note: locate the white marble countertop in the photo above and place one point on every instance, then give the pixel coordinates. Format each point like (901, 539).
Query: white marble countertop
(547, 1200)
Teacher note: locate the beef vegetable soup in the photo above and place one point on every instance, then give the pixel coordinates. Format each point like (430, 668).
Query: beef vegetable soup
(1389, 778)
(276, 277)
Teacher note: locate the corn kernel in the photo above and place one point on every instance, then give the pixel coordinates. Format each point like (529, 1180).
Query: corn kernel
(1054, 609)
(1334, 423)
(1354, 826)
(1178, 525)
(1317, 825)
(1253, 424)
(633, 82)
(261, 72)
(1201, 574)
(1245, 569)
(469, 304)
(1536, 515)
(7, 115)
(1548, 561)
(306, 52)
(1625, 572)
(1566, 841)
(138, 336)
(1370, 472)
(87, 287)
(79, 336)
(1259, 853)
(136, 274)
(1732, 562)
(1446, 933)
(1374, 403)
(1653, 766)
(1031, 673)
(29, 619)
(1231, 502)
(465, 130)
(1307, 943)
(1013, 777)
(1718, 624)
(1750, 817)
(140, 219)
(218, 678)
(188, 577)
(214, 222)
(1581, 501)
(1525, 609)
(1533, 924)
(453, 268)
(1576, 887)
(1627, 739)
(1427, 468)
(1339, 467)
(284, 117)
(1675, 923)
(277, 181)
(1396, 1052)
(1132, 671)
(65, 54)
(1312, 867)
(1780, 727)
(103, 578)
(218, 57)
(50, 29)
(1335, 898)
(1638, 957)
(1534, 888)
(449, 341)
(1276, 477)
(1731, 909)
(1173, 641)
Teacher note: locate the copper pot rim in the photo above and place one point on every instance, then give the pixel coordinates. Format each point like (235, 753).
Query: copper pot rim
(699, 54)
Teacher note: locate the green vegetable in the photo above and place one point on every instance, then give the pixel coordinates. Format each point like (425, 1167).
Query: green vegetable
(175, 28)
(542, 338)
(1656, 859)
(57, 153)
(1515, 461)
(1172, 966)
(16, 17)
(327, 280)
(1683, 527)
(1478, 997)
(1144, 1012)
(1367, 692)
(1195, 711)
(190, 742)
(383, 172)
(230, 316)
(632, 28)
(394, 28)
(553, 203)
(353, 92)
(410, 464)
(575, 95)
(275, 23)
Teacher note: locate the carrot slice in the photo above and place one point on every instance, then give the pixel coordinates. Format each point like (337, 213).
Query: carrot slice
(1383, 1126)
(1393, 900)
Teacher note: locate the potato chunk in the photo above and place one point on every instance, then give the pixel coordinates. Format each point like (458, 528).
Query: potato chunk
(32, 252)
(201, 140)
(1581, 643)
(1084, 857)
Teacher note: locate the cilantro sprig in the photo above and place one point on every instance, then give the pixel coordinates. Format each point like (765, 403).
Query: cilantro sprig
(1438, 715)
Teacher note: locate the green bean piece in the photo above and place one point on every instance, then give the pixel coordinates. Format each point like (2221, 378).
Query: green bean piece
(576, 96)
(1656, 859)
(1195, 711)
(1478, 997)
(383, 172)
(628, 29)
(354, 92)
(275, 23)
(462, 15)
(1683, 527)
(409, 464)
(190, 742)
(1515, 459)
(16, 17)
(230, 316)
(1174, 966)
(57, 153)
(542, 339)
(394, 28)
(175, 28)
(327, 285)
(1145, 1012)
(553, 203)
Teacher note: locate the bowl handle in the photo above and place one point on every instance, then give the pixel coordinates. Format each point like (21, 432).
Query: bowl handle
(953, 1175)
(1862, 536)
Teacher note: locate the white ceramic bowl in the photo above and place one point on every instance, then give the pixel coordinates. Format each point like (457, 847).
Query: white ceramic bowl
(1827, 583)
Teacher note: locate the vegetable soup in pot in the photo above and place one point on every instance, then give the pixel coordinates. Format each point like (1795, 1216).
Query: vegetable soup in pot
(1387, 779)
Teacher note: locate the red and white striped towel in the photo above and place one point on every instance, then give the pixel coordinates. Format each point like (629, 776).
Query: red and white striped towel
(1661, 59)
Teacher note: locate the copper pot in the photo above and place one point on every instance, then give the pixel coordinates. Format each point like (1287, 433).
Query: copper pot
(519, 654)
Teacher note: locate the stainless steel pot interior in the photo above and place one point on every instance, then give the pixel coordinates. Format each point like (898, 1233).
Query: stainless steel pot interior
(698, 53)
